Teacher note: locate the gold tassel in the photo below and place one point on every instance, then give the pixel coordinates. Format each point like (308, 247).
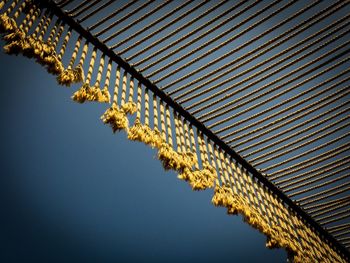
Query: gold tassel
(93, 93)
(145, 134)
(7, 24)
(30, 46)
(199, 179)
(117, 117)
(139, 132)
(70, 76)
(15, 38)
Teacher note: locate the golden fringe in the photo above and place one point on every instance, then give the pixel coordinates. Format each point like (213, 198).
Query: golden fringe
(171, 159)
(116, 118)
(18, 42)
(70, 76)
(91, 93)
(276, 237)
(200, 179)
(7, 24)
(129, 108)
(142, 133)
(181, 162)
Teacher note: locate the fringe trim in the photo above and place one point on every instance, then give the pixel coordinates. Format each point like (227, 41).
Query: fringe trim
(200, 179)
(276, 237)
(70, 76)
(142, 133)
(18, 42)
(7, 24)
(116, 117)
(172, 160)
(91, 93)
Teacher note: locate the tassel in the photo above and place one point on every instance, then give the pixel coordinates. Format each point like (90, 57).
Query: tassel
(174, 160)
(70, 76)
(116, 118)
(92, 93)
(7, 24)
(143, 133)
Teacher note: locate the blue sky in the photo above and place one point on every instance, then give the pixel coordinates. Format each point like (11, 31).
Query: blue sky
(72, 191)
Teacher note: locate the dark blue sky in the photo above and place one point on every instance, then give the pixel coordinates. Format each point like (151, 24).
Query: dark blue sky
(72, 191)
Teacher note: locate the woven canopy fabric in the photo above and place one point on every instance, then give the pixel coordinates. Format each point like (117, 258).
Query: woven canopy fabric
(249, 97)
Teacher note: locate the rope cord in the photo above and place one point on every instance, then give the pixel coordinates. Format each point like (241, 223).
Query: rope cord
(172, 33)
(292, 62)
(153, 10)
(342, 234)
(75, 52)
(293, 128)
(65, 3)
(337, 228)
(344, 238)
(321, 185)
(79, 6)
(173, 62)
(321, 170)
(239, 186)
(338, 206)
(169, 126)
(310, 162)
(233, 51)
(139, 103)
(131, 13)
(40, 25)
(88, 15)
(306, 152)
(345, 213)
(58, 35)
(332, 191)
(91, 65)
(100, 71)
(86, 8)
(34, 16)
(11, 7)
(306, 110)
(148, 26)
(246, 54)
(108, 75)
(155, 114)
(254, 160)
(64, 44)
(307, 107)
(281, 93)
(252, 99)
(320, 206)
(45, 27)
(112, 15)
